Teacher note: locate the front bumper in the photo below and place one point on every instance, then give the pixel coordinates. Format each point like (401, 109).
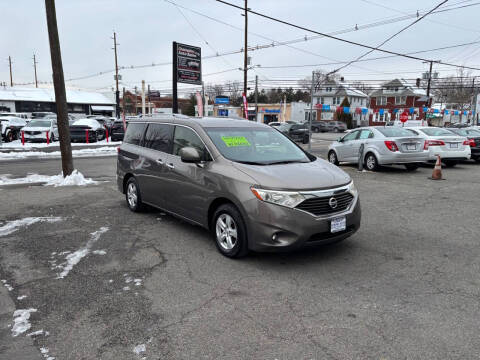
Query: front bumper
(294, 228)
(42, 137)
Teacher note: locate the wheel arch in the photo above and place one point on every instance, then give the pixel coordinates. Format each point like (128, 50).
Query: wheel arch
(127, 177)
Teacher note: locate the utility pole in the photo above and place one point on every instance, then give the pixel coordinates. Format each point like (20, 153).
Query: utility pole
(123, 103)
(10, 64)
(59, 85)
(143, 97)
(311, 114)
(35, 63)
(117, 91)
(148, 99)
(245, 53)
(135, 109)
(256, 98)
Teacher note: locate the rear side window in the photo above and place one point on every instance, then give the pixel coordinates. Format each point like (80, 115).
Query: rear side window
(185, 137)
(134, 133)
(159, 137)
(366, 134)
(394, 132)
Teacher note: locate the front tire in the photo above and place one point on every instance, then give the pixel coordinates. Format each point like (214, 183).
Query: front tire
(371, 162)
(52, 138)
(316, 130)
(305, 140)
(132, 195)
(230, 232)
(332, 157)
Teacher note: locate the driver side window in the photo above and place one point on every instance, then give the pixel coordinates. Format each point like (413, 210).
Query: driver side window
(351, 136)
(185, 137)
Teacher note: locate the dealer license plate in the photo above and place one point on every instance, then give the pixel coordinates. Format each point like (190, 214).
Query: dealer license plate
(338, 224)
(453, 145)
(411, 147)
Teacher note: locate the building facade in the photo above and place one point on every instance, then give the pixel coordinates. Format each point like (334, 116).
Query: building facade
(397, 97)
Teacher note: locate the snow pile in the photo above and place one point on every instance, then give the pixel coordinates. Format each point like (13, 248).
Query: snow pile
(139, 349)
(9, 288)
(36, 333)
(20, 320)
(12, 226)
(74, 258)
(74, 179)
(99, 252)
(21, 297)
(102, 151)
(45, 354)
(17, 144)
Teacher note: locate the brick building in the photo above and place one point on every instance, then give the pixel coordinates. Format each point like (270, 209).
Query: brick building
(394, 98)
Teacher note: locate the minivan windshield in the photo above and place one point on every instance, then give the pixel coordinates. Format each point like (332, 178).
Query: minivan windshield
(256, 146)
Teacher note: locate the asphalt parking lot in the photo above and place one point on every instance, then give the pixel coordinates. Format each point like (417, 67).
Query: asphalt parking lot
(405, 286)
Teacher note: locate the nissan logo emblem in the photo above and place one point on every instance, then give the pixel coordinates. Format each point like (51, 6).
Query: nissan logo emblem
(333, 202)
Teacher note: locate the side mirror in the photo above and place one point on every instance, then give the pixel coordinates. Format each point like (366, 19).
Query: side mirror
(190, 155)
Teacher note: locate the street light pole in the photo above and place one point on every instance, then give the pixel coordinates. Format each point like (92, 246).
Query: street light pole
(311, 113)
(117, 91)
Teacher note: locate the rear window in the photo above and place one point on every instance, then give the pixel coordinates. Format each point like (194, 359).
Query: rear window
(466, 132)
(394, 132)
(134, 133)
(436, 132)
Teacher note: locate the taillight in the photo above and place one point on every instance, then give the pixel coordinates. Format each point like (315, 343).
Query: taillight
(391, 145)
(469, 142)
(429, 143)
(118, 149)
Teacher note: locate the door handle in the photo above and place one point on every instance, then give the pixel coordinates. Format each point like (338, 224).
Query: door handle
(159, 161)
(170, 166)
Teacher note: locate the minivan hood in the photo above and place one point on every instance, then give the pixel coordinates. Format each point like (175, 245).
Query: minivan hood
(318, 174)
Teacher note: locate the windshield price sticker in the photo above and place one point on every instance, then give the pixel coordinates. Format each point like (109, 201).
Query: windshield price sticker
(234, 141)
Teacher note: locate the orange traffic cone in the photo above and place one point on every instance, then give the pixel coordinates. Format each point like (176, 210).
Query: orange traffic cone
(437, 170)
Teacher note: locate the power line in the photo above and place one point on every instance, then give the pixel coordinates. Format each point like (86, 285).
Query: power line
(340, 39)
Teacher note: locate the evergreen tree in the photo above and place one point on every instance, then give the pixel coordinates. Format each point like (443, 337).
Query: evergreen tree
(346, 118)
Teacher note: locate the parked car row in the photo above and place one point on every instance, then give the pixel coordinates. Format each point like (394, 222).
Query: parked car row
(408, 146)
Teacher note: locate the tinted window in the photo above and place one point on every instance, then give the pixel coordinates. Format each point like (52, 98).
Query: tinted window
(185, 137)
(159, 137)
(134, 134)
(394, 131)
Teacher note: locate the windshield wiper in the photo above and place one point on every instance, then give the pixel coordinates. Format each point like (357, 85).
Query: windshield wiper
(285, 162)
(251, 162)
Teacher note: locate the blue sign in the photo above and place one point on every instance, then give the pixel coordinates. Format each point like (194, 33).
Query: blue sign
(272, 111)
(222, 100)
(222, 112)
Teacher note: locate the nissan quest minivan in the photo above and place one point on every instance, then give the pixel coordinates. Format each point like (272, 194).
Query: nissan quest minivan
(247, 183)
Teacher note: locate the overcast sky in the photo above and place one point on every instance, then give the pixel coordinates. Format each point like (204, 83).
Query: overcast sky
(146, 29)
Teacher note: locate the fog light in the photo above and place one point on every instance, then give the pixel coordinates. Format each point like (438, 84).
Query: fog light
(274, 237)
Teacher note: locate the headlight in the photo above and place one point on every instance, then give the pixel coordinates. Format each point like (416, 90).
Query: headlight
(352, 189)
(284, 198)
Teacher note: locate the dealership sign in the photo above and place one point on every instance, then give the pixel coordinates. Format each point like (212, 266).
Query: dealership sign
(189, 64)
(222, 100)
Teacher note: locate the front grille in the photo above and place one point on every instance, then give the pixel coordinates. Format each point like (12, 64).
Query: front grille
(321, 205)
(33, 132)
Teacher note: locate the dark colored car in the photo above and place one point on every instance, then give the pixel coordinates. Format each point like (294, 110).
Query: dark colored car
(296, 132)
(117, 131)
(249, 184)
(319, 126)
(473, 135)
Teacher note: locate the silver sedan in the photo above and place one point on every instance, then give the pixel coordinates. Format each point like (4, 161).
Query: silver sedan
(382, 146)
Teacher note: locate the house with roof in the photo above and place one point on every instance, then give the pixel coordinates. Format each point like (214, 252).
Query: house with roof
(396, 97)
(330, 95)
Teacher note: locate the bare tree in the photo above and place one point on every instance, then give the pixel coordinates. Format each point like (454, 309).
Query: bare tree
(321, 76)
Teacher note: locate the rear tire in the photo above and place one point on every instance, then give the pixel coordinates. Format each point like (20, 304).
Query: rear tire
(230, 232)
(132, 195)
(411, 167)
(371, 162)
(335, 130)
(316, 130)
(332, 158)
(450, 163)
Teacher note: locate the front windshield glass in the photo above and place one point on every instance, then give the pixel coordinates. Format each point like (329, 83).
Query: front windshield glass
(436, 132)
(261, 146)
(39, 123)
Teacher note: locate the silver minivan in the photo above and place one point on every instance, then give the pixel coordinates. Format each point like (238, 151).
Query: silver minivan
(246, 182)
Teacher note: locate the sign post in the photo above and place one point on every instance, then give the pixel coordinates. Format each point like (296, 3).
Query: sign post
(187, 68)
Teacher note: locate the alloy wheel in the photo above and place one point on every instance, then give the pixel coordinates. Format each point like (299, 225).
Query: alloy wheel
(132, 195)
(371, 162)
(226, 232)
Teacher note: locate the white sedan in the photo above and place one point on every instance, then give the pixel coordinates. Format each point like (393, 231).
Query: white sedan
(451, 147)
(37, 130)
